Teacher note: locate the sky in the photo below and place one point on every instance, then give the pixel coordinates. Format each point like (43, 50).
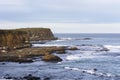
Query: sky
(62, 16)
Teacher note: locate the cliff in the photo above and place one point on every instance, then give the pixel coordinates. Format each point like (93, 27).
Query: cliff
(37, 34)
(20, 38)
(12, 39)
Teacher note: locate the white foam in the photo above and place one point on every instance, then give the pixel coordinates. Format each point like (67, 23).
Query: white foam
(112, 48)
(85, 55)
(47, 45)
(73, 57)
(59, 40)
(91, 71)
(67, 67)
(66, 38)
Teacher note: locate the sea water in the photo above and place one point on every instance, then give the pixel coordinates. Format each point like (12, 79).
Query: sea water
(98, 58)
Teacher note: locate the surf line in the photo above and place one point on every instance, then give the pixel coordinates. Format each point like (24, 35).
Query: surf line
(92, 72)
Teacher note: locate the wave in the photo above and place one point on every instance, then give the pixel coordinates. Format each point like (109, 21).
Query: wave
(83, 56)
(73, 57)
(89, 47)
(91, 71)
(112, 48)
(47, 45)
(59, 40)
(69, 38)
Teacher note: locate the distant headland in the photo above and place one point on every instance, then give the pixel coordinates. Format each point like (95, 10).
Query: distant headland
(16, 45)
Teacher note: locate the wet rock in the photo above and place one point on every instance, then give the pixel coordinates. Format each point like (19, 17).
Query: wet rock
(94, 69)
(51, 57)
(3, 63)
(30, 77)
(104, 49)
(46, 78)
(26, 55)
(73, 48)
(87, 39)
(15, 59)
(61, 52)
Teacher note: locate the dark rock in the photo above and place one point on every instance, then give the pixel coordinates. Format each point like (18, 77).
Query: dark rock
(87, 39)
(50, 57)
(104, 49)
(15, 59)
(61, 52)
(46, 78)
(26, 55)
(73, 48)
(30, 77)
(95, 69)
(3, 63)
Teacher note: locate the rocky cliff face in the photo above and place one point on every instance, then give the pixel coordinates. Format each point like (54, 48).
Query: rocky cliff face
(13, 39)
(20, 38)
(37, 34)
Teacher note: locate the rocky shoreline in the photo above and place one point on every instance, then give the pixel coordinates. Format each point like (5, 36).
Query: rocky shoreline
(28, 54)
(16, 45)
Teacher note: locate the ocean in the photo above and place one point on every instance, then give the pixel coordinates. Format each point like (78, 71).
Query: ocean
(98, 58)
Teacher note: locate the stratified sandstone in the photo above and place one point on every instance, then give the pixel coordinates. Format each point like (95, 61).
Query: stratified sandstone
(20, 38)
(12, 39)
(37, 34)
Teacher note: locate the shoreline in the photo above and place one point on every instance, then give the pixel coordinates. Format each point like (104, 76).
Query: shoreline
(27, 54)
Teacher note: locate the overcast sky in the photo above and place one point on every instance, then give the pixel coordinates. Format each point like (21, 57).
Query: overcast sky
(67, 16)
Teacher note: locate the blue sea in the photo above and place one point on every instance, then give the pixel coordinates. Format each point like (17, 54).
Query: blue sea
(98, 58)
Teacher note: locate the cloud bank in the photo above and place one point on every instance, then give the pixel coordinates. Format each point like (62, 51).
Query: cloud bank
(83, 11)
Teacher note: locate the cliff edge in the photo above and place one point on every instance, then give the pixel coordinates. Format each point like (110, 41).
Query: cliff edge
(20, 38)
(37, 34)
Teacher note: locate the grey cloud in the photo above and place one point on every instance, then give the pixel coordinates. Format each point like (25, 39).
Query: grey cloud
(60, 10)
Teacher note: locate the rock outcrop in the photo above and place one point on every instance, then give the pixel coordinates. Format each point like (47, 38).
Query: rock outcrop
(20, 38)
(12, 39)
(51, 57)
(37, 34)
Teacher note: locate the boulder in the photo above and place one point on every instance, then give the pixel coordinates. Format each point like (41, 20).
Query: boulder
(30, 77)
(51, 57)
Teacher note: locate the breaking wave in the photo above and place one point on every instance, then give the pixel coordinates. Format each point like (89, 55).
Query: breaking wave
(47, 45)
(112, 48)
(91, 71)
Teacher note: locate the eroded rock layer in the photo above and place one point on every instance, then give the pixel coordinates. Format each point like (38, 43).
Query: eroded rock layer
(37, 34)
(11, 39)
